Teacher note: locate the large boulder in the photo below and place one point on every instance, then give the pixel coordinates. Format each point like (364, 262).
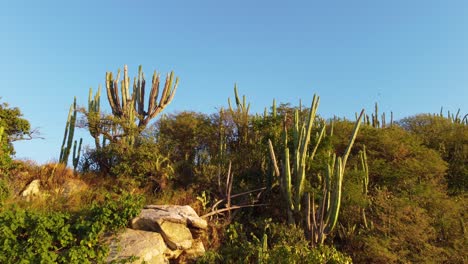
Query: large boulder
(32, 190)
(72, 186)
(172, 221)
(141, 245)
(172, 213)
(170, 225)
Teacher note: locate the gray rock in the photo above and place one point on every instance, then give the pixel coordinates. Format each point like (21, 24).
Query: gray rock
(176, 236)
(176, 214)
(32, 190)
(73, 186)
(145, 246)
(197, 250)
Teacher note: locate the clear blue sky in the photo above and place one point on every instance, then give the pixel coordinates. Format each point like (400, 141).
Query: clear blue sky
(409, 56)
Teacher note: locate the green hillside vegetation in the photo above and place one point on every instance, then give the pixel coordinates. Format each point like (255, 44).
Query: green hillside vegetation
(284, 186)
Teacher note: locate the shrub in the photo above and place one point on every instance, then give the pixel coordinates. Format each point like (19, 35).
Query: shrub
(279, 243)
(57, 237)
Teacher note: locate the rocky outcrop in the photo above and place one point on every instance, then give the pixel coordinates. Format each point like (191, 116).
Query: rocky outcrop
(66, 189)
(141, 245)
(31, 190)
(179, 227)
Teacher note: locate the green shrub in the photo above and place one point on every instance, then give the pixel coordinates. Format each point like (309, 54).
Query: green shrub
(4, 191)
(57, 237)
(279, 243)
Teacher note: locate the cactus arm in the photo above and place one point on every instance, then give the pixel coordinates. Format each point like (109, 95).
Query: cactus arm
(304, 142)
(287, 179)
(154, 91)
(273, 158)
(236, 95)
(319, 139)
(336, 197)
(68, 134)
(274, 108)
(353, 138)
(76, 155)
(67, 124)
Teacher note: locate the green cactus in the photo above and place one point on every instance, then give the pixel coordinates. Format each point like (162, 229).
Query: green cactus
(365, 180)
(326, 216)
(131, 106)
(94, 115)
(301, 139)
(68, 134)
(262, 254)
(76, 154)
(240, 115)
(2, 129)
(274, 114)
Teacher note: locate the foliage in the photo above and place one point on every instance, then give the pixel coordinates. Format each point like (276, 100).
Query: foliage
(4, 191)
(13, 127)
(403, 201)
(16, 127)
(57, 237)
(449, 139)
(277, 243)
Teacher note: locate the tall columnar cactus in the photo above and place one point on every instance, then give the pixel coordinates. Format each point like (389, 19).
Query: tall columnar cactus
(293, 180)
(94, 115)
(240, 115)
(273, 109)
(68, 134)
(2, 129)
(129, 115)
(129, 105)
(325, 217)
(76, 154)
(364, 180)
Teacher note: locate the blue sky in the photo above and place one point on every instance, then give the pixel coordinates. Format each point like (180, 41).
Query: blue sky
(409, 56)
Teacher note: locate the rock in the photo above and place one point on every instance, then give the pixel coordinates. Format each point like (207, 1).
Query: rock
(72, 186)
(176, 236)
(197, 250)
(172, 221)
(173, 213)
(172, 226)
(146, 246)
(31, 190)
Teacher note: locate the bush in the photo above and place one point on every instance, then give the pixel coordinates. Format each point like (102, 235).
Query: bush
(279, 243)
(57, 237)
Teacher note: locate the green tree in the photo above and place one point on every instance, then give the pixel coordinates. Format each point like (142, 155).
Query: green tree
(449, 139)
(15, 127)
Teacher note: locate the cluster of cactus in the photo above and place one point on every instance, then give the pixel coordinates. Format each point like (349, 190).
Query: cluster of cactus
(240, 114)
(364, 180)
(292, 180)
(127, 108)
(131, 106)
(374, 121)
(94, 115)
(295, 177)
(455, 118)
(68, 142)
(322, 221)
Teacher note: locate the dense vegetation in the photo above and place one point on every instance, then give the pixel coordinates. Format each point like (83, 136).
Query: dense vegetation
(399, 198)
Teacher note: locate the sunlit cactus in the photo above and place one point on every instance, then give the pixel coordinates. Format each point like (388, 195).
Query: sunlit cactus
(321, 221)
(294, 191)
(67, 142)
(364, 180)
(128, 105)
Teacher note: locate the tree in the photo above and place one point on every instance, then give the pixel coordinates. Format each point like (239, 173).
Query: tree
(449, 139)
(13, 127)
